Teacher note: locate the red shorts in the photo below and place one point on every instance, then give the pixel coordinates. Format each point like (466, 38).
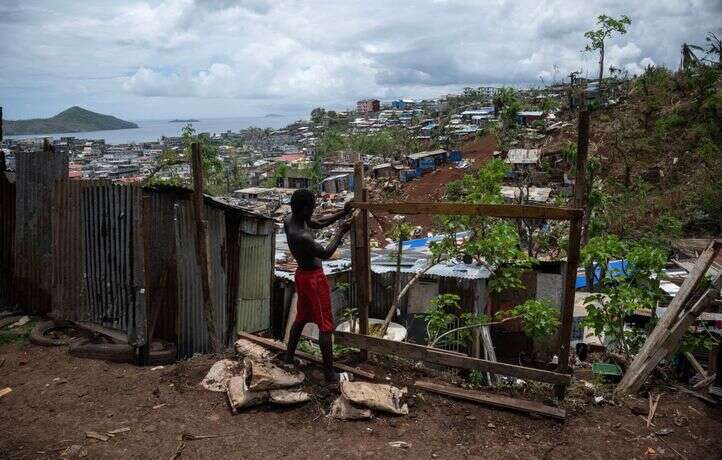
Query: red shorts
(314, 299)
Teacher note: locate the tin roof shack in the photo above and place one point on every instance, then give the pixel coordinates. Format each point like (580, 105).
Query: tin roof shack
(294, 178)
(126, 258)
(427, 160)
(523, 159)
(336, 183)
(241, 264)
(526, 118)
(544, 281)
(386, 170)
(513, 194)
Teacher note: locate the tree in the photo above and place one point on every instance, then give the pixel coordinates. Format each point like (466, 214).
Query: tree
(317, 115)
(607, 27)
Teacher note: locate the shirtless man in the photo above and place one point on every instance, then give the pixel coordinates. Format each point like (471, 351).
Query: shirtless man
(314, 295)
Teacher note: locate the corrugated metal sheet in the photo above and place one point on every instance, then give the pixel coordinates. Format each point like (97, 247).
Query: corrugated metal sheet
(111, 219)
(36, 173)
(70, 293)
(253, 312)
(7, 238)
(193, 333)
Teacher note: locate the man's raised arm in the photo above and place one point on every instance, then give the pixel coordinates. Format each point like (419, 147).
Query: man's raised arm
(324, 221)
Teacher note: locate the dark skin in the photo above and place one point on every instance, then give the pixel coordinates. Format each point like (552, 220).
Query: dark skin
(309, 254)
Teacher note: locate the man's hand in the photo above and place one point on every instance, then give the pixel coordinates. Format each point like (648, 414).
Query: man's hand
(345, 225)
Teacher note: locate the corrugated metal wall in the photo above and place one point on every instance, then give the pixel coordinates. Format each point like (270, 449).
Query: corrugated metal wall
(36, 173)
(193, 333)
(253, 312)
(111, 219)
(70, 293)
(7, 238)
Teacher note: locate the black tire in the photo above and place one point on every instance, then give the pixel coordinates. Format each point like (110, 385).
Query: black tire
(9, 320)
(114, 352)
(38, 334)
(162, 353)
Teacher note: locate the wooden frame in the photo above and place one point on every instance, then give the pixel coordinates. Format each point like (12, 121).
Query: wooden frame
(576, 216)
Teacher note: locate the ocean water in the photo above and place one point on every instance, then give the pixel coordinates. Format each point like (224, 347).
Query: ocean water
(153, 130)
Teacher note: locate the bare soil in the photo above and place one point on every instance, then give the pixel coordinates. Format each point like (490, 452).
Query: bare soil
(57, 398)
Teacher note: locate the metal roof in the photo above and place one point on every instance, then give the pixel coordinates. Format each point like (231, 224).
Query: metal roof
(428, 153)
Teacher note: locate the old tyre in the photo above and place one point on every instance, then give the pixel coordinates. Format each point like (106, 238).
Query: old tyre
(39, 335)
(114, 352)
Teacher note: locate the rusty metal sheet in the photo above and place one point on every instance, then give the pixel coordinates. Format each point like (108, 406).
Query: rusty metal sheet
(193, 333)
(7, 239)
(36, 173)
(253, 312)
(111, 221)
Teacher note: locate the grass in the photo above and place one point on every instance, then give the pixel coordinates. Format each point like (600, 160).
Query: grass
(16, 335)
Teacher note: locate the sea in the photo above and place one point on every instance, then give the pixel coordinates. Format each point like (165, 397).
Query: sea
(153, 130)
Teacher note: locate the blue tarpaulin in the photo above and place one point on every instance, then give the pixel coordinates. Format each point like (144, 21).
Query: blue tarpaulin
(614, 267)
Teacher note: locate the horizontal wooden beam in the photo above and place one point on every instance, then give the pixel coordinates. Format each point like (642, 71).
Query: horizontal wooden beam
(280, 346)
(496, 400)
(510, 211)
(422, 353)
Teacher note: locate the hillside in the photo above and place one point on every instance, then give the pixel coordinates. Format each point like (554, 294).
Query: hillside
(73, 120)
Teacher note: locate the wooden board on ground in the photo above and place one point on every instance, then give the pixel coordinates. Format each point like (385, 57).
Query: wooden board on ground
(282, 347)
(495, 400)
(422, 353)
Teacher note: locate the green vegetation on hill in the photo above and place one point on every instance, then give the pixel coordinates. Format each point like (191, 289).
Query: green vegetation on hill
(73, 120)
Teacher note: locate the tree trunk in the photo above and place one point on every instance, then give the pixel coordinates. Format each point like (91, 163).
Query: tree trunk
(601, 65)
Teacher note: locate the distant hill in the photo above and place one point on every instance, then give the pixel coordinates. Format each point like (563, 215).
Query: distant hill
(73, 120)
(274, 115)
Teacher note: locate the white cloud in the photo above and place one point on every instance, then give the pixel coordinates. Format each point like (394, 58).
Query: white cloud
(298, 54)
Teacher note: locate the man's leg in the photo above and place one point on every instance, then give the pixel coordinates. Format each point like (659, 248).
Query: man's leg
(326, 343)
(293, 339)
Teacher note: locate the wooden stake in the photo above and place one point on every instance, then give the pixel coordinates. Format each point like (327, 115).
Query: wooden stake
(575, 233)
(360, 253)
(202, 246)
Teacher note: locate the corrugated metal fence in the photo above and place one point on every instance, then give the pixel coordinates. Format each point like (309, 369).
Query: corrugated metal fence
(7, 237)
(36, 173)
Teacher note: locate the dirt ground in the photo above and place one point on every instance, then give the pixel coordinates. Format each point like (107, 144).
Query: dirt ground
(57, 398)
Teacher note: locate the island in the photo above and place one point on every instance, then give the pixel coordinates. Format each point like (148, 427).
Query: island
(273, 115)
(187, 120)
(73, 120)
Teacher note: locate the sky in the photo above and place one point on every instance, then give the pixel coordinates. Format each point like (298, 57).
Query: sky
(143, 60)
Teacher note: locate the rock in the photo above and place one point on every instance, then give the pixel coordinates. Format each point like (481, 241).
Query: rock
(217, 377)
(248, 349)
(664, 432)
(268, 376)
(636, 407)
(381, 397)
(400, 444)
(342, 409)
(96, 435)
(490, 425)
(288, 397)
(470, 418)
(598, 399)
(240, 396)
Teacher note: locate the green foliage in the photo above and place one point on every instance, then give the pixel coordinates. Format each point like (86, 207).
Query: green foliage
(607, 26)
(441, 317)
(692, 342)
(622, 292)
(539, 317)
(493, 243)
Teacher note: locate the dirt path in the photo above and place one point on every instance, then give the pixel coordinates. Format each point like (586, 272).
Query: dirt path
(57, 398)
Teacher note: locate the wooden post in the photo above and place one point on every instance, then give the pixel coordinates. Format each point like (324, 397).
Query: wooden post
(202, 246)
(575, 233)
(360, 253)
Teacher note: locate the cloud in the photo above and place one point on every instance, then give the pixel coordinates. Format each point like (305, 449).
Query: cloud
(146, 58)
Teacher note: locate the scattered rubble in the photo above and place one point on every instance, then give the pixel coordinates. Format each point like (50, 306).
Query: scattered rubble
(382, 397)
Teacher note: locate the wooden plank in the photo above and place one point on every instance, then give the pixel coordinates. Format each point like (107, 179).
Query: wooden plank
(495, 400)
(279, 346)
(636, 377)
(422, 353)
(575, 241)
(202, 247)
(114, 334)
(636, 370)
(360, 255)
(510, 211)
